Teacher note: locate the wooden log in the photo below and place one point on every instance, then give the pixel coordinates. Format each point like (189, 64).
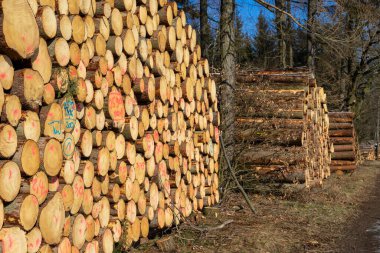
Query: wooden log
(19, 31)
(22, 211)
(10, 177)
(11, 112)
(13, 240)
(8, 141)
(344, 155)
(53, 212)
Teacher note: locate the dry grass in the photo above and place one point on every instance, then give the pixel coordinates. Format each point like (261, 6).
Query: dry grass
(292, 220)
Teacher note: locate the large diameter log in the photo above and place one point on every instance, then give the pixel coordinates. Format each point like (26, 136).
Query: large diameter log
(341, 140)
(19, 35)
(271, 123)
(344, 155)
(268, 156)
(333, 115)
(341, 133)
(52, 213)
(336, 126)
(339, 148)
(285, 137)
(335, 168)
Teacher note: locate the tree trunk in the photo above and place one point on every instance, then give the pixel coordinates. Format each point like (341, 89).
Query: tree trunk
(204, 27)
(228, 73)
(311, 15)
(280, 27)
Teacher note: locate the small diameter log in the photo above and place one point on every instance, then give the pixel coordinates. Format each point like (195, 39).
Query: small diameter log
(13, 240)
(51, 121)
(8, 141)
(34, 240)
(6, 72)
(47, 22)
(78, 187)
(41, 62)
(28, 158)
(52, 213)
(60, 50)
(77, 236)
(10, 180)
(11, 111)
(52, 157)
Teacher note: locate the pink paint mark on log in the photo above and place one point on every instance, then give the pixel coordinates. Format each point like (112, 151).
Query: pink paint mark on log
(29, 77)
(51, 148)
(34, 150)
(50, 114)
(10, 174)
(29, 49)
(10, 135)
(3, 75)
(35, 201)
(16, 112)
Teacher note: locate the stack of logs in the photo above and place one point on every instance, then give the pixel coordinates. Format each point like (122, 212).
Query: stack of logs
(343, 138)
(367, 151)
(283, 127)
(109, 123)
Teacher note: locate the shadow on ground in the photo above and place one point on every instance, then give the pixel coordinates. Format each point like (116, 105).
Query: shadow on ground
(343, 216)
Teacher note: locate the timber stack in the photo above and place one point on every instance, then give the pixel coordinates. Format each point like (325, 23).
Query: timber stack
(343, 137)
(367, 151)
(108, 125)
(282, 127)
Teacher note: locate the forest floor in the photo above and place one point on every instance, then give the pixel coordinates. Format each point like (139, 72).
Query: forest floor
(343, 216)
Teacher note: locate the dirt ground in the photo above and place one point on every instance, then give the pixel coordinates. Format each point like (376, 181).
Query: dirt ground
(343, 216)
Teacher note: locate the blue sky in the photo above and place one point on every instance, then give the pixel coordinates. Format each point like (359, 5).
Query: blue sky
(249, 11)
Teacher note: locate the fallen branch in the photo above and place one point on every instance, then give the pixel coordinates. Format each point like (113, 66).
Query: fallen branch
(235, 179)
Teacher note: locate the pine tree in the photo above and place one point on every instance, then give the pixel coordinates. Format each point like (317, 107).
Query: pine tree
(243, 43)
(263, 43)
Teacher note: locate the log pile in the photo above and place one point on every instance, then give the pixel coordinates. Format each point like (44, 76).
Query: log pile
(367, 151)
(282, 129)
(343, 137)
(108, 123)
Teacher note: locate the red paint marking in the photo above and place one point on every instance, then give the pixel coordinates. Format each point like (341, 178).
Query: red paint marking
(33, 150)
(3, 75)
(9, 135)
(23, 38)
(33, 124)
(10, 174)
(10, 242)
(16, 112)
(35, 201)
(50, 114)
(51, 148)
(29, 49)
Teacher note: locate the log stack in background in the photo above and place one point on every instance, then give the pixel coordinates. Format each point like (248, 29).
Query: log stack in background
(367, 151)
(343, 137)
(109, 123)
(283, 127)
